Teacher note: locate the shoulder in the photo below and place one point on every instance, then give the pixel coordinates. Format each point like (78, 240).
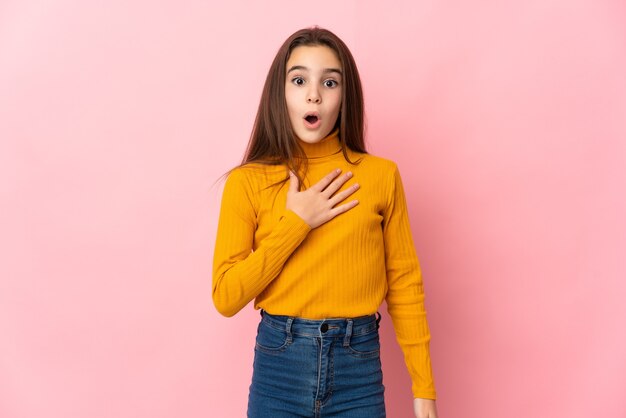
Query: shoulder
(237, 178)
(381, 166)
(242, 177)
(254, 177)
(252, 172)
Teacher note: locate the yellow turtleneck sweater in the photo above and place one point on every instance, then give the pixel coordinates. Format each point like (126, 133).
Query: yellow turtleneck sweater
(343, 268)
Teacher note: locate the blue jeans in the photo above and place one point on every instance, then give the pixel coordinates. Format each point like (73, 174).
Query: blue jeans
(317, 368)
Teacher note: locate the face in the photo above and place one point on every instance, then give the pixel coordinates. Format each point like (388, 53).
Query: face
(313, 84)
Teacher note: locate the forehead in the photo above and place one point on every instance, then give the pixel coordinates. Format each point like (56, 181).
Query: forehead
(315, 57)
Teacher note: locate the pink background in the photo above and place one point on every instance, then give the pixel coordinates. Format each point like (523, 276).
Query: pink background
(507, 120)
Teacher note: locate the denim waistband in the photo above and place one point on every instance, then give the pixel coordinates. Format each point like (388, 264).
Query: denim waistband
(323, 327)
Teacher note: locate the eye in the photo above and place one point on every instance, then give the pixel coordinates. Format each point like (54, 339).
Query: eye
(295, 80)
(332, 81)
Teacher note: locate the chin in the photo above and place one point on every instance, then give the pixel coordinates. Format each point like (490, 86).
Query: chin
(316, 136)
(311, 138)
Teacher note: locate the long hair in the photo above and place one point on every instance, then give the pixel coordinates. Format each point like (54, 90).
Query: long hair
(273, 140)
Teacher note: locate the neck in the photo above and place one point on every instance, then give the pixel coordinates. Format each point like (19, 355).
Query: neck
(328, 145)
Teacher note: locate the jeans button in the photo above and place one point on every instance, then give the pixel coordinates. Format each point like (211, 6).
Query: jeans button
(324, 327)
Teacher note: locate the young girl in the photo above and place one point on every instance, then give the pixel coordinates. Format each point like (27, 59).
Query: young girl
(319, 250)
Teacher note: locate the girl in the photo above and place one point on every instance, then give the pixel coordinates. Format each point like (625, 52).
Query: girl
(318, 260)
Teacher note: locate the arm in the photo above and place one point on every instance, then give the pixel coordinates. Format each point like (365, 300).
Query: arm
(239, 274)
(424, 408)
(405, 295)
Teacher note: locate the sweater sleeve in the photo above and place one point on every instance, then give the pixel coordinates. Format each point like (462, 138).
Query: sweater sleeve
(239, 273)
(405, 294)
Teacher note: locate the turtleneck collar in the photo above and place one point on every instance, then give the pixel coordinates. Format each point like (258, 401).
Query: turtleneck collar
(328, 145)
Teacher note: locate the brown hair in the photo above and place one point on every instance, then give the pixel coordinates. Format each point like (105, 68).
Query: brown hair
(273, 140)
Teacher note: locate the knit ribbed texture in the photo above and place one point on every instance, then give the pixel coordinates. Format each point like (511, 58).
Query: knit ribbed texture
(343, 268)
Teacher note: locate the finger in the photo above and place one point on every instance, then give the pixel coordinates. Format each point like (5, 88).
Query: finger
(343, 208)
(339, 197)
(337, 184)
(325, 181)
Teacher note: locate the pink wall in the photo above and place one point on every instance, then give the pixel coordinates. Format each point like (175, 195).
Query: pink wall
(508, 122)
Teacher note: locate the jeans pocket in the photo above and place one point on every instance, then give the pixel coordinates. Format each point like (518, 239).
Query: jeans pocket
(270, 339)
(364, 345)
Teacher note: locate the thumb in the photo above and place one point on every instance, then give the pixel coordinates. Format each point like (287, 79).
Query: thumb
(293, 182)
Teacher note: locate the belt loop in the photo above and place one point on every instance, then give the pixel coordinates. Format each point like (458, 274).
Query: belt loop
(288, 328)
(378, 319)
(346, 339)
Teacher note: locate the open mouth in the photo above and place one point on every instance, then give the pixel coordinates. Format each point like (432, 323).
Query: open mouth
(311, 119)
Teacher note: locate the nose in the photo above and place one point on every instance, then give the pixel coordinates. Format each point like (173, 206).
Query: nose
(313, 96)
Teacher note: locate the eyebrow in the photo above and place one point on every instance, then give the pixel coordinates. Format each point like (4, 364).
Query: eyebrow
(325, 71)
